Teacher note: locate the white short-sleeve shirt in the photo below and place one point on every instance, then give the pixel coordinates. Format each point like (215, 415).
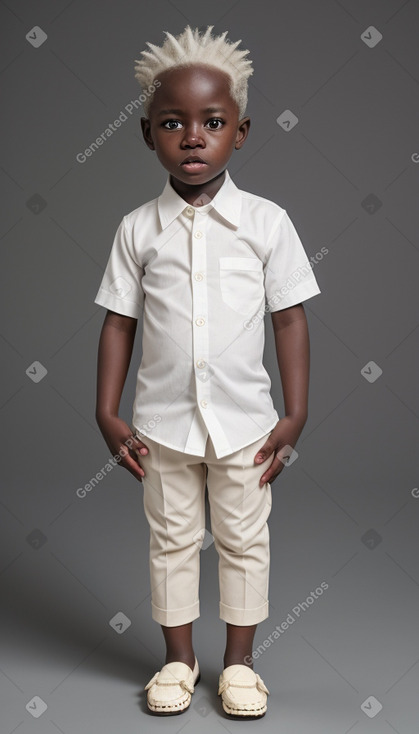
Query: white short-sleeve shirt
(202, 278)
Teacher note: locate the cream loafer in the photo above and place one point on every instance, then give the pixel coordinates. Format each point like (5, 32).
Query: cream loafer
(243, 692)
(170, 689)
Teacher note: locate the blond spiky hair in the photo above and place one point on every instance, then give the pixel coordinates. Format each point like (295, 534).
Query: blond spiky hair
(190, 48)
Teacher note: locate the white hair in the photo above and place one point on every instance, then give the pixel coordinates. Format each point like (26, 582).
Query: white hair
(191, 48)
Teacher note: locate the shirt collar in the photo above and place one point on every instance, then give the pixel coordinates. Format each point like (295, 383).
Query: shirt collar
(227, 202)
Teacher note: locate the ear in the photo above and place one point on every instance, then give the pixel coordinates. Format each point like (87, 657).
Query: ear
(146, 128)
(242, 132)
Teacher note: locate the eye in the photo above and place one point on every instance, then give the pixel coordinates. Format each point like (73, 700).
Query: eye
(219, 123)
(170, 122)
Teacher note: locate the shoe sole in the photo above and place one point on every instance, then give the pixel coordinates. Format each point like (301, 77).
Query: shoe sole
(162, 712)
(238, 715)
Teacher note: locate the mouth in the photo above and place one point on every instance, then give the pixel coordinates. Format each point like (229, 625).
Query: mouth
(193, 163)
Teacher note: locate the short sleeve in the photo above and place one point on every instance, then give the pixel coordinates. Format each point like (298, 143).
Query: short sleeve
(289, 277)
(120, 289)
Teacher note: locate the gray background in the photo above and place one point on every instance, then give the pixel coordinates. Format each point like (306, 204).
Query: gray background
(345, 513)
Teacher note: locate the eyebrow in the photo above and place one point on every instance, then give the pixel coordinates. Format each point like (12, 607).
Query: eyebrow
(180, 112)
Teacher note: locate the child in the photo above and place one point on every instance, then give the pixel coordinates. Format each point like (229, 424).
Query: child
(201, 264)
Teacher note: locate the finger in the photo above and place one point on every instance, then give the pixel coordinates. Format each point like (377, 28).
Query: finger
(133, 466)
(271, 472)
(142, 449)
(264, 452)
(134, 443)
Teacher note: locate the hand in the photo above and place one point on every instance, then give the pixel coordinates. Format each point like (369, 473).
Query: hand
(120, 440)
(285, 433)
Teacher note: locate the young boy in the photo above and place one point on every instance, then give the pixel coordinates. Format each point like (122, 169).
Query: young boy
(202, 264)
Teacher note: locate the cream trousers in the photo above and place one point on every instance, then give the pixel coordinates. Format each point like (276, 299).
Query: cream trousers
(174, 504)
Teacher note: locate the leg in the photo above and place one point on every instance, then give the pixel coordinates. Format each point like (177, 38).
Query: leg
(179, 644)
(174, 504)
(239, 644)
(239, 512)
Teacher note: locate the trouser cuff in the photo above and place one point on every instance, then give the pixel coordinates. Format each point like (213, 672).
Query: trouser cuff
(244, 616)
(174, 617)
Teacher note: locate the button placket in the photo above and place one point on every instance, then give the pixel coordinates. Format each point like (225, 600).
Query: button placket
(200, 305)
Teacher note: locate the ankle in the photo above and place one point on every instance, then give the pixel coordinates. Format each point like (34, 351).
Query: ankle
(237, 660)
(181, 657)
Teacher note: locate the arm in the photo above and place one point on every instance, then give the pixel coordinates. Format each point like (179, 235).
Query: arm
(293, 355)
(114, 356)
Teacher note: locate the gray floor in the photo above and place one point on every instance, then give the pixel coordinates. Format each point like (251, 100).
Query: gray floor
(356, 640)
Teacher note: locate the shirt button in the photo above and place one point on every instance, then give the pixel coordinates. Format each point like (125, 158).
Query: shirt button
(201, 363)
(198, 276)
(189, 211)
(200, 322)
(204, 403)
(198, 234)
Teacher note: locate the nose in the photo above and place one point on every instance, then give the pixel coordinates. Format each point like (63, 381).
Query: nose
(192, 137)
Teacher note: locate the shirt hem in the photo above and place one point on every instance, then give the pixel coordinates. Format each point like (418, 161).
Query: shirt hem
(165, 443)
(222, 454)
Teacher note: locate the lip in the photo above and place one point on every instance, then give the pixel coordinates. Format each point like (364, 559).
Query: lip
(192, 159)
(193, 166)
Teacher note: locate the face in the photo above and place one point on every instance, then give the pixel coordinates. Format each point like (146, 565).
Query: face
(192, 115)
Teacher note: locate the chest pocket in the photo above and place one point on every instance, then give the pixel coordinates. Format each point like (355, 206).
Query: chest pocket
(241, 283)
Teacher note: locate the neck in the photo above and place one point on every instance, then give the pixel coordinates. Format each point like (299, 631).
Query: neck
(192, 192)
